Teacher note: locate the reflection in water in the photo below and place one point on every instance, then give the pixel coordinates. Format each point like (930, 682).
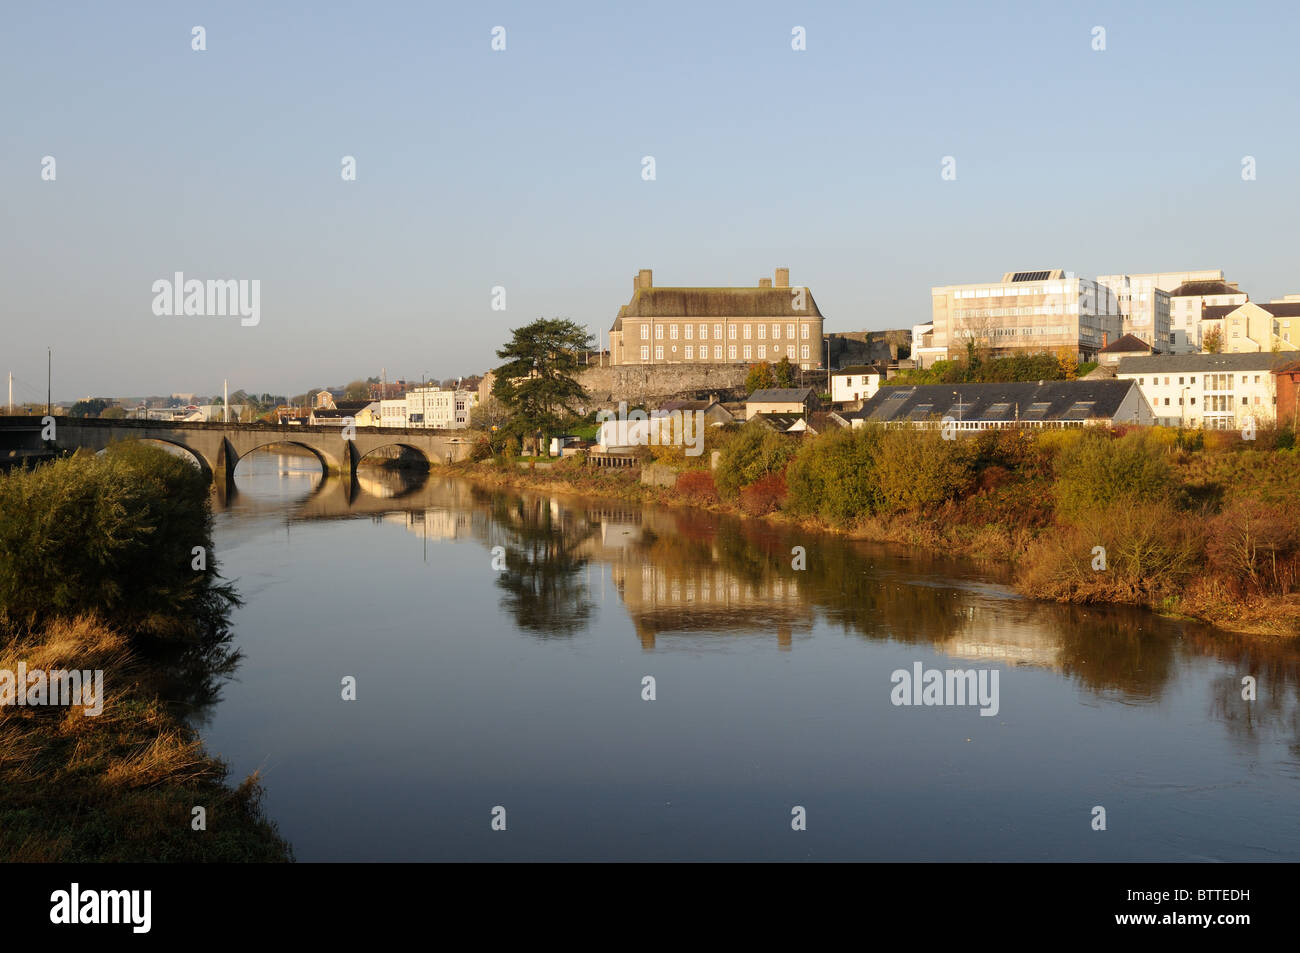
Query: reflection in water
(689, 582)
(686, 573)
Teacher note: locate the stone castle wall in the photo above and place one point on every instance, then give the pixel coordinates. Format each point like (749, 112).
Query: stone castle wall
(663, 381)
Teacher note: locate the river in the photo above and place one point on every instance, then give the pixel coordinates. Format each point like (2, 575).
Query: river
(517, 696)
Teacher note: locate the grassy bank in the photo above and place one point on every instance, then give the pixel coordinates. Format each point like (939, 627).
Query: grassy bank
(99, 571)
(1201, 525)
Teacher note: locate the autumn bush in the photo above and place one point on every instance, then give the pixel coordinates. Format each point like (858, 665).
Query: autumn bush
(1098, 471)
(1131, 552)
(751, 453)
(833, 476)
(765, 495)
(1256, 545)
(697, 486)
(916, 470)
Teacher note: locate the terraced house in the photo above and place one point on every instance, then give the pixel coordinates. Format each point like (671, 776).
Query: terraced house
(739, 325)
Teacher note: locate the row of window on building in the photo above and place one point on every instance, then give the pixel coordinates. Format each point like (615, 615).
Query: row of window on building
(687, 330)
(747, 350)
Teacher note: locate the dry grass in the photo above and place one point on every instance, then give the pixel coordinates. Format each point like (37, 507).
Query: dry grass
(119, 786)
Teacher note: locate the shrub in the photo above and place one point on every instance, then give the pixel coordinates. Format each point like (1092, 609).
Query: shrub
(482, 450)
(832, 476)
(1257, 544)
(1151, 551)
(918, 469)
(1098, 471)
(750, 454)
(111, 533)
(697, 486)
(763, 496)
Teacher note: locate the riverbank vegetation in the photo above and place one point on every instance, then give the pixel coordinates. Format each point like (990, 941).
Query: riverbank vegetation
(1196, 524)
(106, 564)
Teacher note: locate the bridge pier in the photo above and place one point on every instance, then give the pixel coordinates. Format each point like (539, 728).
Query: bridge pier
(351, 458)
(223, 470)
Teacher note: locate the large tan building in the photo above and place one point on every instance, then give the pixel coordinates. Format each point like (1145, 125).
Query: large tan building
(718, 325)
(1027, 312)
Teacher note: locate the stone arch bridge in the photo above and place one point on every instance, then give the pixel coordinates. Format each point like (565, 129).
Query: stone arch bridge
(218, 447)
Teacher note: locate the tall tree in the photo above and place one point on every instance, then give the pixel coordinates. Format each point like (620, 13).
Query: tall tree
(758, 378)
(537, 384)
(783, 373)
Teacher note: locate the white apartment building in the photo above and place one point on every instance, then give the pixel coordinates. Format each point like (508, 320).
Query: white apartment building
(1027, 312)
(439, 409)
(1188, 291)
(1144, 308)
(392, 413)
(1188, 303)
(1213, 391)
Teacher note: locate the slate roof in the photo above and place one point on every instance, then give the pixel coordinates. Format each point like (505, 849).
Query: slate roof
(1199, 363)
(781, 395)
(1189, 288)
(860, 369)
(781, 423)
(1014, 400)
(1126, 344)
(693, 303)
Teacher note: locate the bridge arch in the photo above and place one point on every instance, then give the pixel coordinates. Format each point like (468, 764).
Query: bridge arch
(328, 462)
(407, 447)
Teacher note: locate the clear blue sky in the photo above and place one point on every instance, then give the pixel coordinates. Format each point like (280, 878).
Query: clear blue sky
(522, 168)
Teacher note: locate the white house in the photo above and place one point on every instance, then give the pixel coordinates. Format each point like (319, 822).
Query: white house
(859, 382)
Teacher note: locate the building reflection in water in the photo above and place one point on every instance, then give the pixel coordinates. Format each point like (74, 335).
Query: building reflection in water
(689, 579)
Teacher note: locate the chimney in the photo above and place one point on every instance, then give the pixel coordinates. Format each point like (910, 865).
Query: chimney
(765, 282)
(783, 277)
(636, 282)
(644, 278)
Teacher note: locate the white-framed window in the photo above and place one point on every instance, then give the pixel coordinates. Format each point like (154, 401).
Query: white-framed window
(803, 331)
(747, 332)
(776, 332)
(688, 330)
(704, 353)
(762, 352)
(672, 332)
(690, 351)
(717, 352)
(762, 332)
(717, 332)
(659, 352)
(749, 352)
(731, 331)
(659, 332)
(789, 331)
(704, 332)
(731, 352)
(803, 352)
(645, 332)
(645, 352)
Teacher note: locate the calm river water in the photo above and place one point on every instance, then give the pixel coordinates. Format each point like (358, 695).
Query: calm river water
(521, 688)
